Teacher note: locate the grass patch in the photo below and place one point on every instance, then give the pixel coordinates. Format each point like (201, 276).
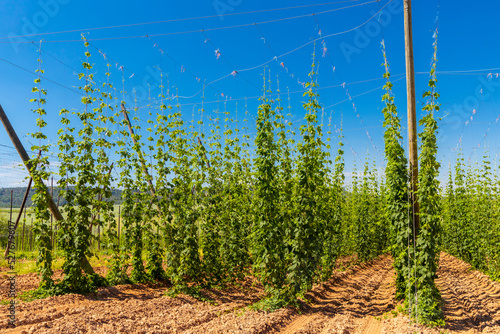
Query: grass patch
(26, 261)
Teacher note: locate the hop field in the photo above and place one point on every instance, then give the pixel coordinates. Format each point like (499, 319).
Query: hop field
(150, 211)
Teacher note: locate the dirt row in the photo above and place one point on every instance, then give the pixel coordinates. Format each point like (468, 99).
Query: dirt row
(31, 281)
(471, 299)
(358, 300)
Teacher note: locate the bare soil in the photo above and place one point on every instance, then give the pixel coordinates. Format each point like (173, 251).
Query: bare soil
(357, 300)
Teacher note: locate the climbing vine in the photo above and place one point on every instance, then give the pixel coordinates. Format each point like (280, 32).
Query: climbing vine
(424, 297)
(39, 170)
(268, 232)
(396, 176)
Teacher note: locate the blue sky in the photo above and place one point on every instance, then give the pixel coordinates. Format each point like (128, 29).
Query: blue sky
(467, 54)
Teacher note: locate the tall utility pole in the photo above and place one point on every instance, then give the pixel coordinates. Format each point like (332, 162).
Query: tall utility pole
(412, 118)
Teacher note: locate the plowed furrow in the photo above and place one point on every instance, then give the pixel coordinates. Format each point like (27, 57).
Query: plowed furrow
(366, 291)
(470, 299)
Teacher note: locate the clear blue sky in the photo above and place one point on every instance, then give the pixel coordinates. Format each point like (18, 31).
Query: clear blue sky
(467, 41)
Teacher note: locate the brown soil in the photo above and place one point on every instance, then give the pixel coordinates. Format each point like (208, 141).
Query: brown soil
(349, 301)
(471, 299)
(31, 281)
(358, 300)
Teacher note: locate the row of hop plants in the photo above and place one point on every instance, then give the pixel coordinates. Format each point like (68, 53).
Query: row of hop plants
(414, 242)
(471, 222)
(207, 208)
(198, 201)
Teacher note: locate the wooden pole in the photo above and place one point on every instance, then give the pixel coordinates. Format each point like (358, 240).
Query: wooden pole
(31, 233)
(23, 203)
(99, 232)
(56, 228)
(11, 203)
(9, 240)
(119, 218)
(26, 159)
(24, 226)
(51, 215)
(412, 118)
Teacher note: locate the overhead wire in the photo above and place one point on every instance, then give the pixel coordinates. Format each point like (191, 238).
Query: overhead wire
(254, 97)
(317, 39)
(347, 92)
(221, 55)
(464, 72)
(481, 143)
(200, 30)
(266, 41)
(363, 93)
(163, 52)
(177, 20)
(237, 71)
(42, 76)
(300, 91)
(291, 51)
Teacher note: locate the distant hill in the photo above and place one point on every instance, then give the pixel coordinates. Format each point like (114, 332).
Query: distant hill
(18, 194)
